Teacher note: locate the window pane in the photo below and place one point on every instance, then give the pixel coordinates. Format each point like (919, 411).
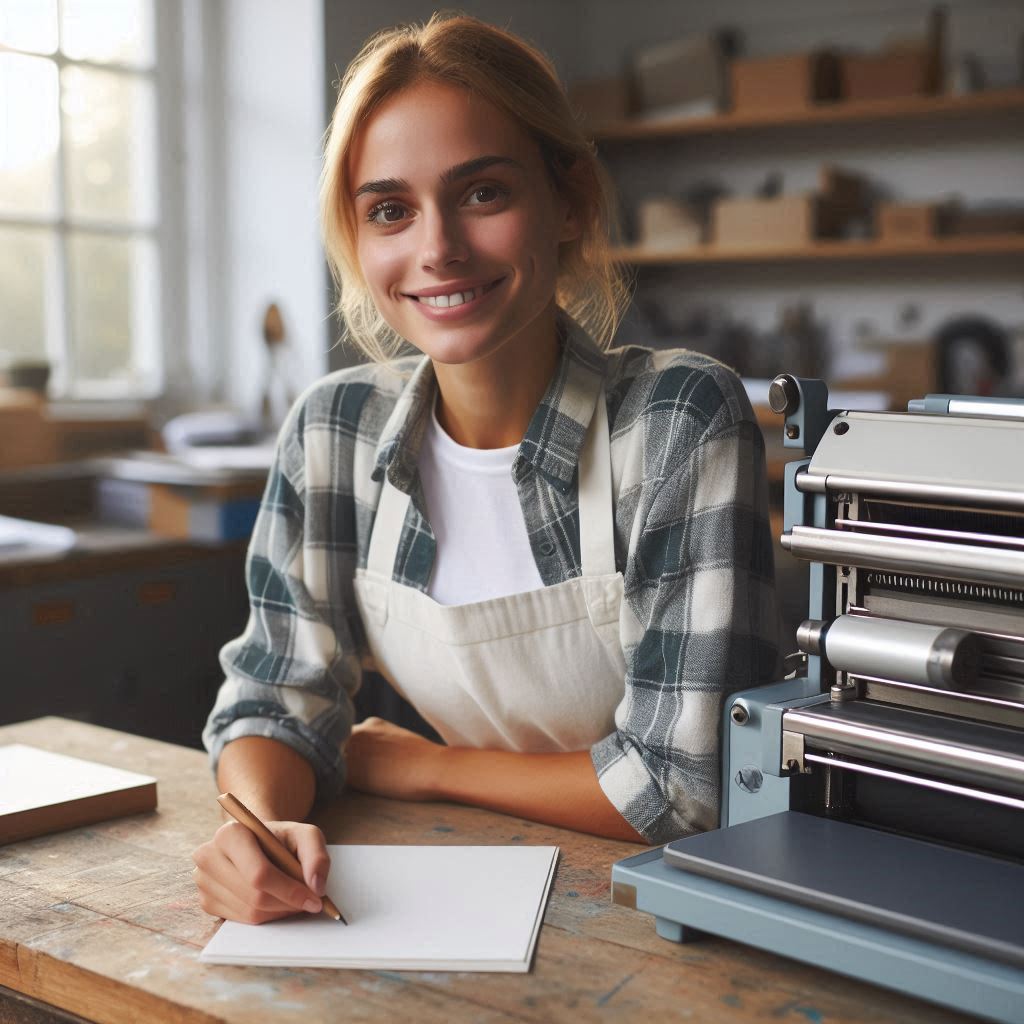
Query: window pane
(114, 309)
(26, 270)
(108, 31)
(29, 126)
(29, 25)
(110, 146)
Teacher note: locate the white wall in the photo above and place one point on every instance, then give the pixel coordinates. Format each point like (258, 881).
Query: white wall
(272, 120)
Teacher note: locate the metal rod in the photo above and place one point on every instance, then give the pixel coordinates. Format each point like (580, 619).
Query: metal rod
(970, 764)
(817, 483)
(917, 780)
(934, 558)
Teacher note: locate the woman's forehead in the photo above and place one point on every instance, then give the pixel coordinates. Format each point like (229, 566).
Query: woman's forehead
(430, 127)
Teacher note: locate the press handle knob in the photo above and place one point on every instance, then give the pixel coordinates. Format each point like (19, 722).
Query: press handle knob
(784, 395)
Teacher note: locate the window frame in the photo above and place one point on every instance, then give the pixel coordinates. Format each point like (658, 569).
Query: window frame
(164, 370)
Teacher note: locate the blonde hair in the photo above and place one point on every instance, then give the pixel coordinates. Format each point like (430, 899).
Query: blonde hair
(520, 81)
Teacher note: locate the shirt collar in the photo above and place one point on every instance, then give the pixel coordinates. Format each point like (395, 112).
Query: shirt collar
(553, 438)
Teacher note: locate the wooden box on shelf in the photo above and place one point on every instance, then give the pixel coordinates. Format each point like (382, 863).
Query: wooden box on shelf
(26, 435)
(907, 222)
(904, 68)
(993, 220)
(911, 370)
(666, 223)
(792, 82)
(784, 222)
(80, 437)
(681, 77)
(887, 76)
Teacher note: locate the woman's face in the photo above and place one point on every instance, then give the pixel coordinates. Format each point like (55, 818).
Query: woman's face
(458, 224)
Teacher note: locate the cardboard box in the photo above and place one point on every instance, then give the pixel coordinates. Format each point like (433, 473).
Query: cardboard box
(995, 220)
(665, 223)
(202, 513)
(886, 76)
(904, 68)
(682, 77)
(911, 370)
(793, 82)
(82, 437)
(26, 435)
(788, 221)
(907, 222)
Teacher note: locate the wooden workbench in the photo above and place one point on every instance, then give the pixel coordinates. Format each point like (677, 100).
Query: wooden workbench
(105, 923)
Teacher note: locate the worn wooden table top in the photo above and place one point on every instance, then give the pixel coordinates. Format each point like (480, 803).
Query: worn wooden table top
(104, 922)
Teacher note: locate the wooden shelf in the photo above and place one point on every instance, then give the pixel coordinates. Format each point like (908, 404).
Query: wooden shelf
(926, 107)
(983, 245)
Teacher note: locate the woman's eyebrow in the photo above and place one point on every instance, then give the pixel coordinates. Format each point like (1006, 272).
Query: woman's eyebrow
(475, 166)
(383, 185)
(463, 170)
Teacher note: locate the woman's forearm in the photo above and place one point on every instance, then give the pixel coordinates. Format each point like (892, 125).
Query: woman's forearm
(275, 782)
(556, 789)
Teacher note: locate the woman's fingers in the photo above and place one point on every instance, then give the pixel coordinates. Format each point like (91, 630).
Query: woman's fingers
(220, 876)
(252, 876)
(308, 844)
(218, 900)
(257, 872)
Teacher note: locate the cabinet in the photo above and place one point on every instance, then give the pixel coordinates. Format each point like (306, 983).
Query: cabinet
(124, 634)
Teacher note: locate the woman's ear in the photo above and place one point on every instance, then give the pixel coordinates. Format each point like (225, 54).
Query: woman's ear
(572, 226)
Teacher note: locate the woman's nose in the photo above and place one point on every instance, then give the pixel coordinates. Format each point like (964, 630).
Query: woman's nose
(442, 241)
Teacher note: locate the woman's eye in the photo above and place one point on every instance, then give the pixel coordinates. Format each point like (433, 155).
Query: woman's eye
(484, 194)
(386, 213)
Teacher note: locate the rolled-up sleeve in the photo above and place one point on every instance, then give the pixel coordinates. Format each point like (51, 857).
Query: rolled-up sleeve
(699, 621)
(291, 675)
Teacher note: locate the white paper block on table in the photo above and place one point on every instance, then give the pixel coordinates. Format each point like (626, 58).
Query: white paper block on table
(414, 908)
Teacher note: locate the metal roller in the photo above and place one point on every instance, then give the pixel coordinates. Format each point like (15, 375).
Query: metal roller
(908, 652)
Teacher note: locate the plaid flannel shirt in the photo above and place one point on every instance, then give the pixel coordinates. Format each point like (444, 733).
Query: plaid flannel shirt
(699, 618)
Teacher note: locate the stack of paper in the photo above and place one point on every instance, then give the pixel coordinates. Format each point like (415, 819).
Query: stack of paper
(23, 533)
(44, 792)
(410, 908)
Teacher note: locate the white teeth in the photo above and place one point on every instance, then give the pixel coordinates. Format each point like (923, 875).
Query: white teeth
(455, 299)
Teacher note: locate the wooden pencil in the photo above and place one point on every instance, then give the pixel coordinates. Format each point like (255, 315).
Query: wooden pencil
(272, 847)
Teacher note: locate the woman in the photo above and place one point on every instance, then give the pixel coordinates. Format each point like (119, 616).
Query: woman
(559, 556)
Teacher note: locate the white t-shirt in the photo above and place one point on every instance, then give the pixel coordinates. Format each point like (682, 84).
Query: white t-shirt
(482, 547)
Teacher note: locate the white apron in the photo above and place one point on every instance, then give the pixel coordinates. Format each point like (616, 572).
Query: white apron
(540, 671)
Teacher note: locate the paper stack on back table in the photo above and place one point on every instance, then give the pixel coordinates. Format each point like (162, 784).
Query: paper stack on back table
(410, 908)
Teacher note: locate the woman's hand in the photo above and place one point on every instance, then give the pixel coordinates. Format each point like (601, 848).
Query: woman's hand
(387, 760)
(236, 881)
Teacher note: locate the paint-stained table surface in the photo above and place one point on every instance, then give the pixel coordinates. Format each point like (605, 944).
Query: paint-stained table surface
(104, 923)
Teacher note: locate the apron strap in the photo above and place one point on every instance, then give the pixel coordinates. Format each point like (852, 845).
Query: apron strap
(387, 530)
(597, 524)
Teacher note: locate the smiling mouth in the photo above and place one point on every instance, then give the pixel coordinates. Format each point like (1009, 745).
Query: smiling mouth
(455, 298)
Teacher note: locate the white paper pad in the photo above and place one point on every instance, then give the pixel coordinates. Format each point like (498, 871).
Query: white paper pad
(410, 908)
(30, 778)
(18, 533)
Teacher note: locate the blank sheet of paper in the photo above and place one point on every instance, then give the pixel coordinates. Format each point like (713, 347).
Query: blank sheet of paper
(410, 908)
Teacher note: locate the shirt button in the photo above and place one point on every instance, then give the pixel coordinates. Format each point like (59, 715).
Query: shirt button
(547, 548)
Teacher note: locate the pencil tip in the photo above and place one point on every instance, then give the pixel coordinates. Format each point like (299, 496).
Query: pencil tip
(342, 920)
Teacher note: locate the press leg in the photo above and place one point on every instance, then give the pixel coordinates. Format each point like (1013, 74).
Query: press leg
(674, 931)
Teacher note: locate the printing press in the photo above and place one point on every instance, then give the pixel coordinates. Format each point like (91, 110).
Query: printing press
(873, 800)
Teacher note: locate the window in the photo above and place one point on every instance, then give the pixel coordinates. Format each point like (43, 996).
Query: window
(80, 210)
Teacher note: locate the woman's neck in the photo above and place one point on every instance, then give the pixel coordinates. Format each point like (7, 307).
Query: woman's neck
(489, 402)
